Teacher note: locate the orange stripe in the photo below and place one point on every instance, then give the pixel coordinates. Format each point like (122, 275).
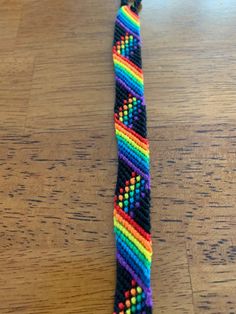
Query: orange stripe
(137, 141)
(141, 144)
(134, 232)
(128, 67)
(130, 131)
(130, 12)
(146, 235)
(128, 63)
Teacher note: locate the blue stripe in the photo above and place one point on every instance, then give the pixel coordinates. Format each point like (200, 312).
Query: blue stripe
(135, 257)
(133, 78)
(138, 163)
(122, 75)
(131, 245)
(134, 150)
(141, 270)
(136, 160)
(123, 18)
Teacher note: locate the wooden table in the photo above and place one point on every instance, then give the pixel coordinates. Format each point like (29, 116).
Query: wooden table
(58, 155)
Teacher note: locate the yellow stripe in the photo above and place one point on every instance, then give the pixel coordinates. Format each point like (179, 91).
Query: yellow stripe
(141, 248)
(128, 65)
(127, 13)
(127, 69)
(132, 72)
(143, 151)
(133, 231)
(132, 136)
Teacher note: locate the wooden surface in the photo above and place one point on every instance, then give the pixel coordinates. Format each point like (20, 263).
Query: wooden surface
(58, 155)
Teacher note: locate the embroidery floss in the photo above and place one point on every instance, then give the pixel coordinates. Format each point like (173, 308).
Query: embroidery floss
(132, 193)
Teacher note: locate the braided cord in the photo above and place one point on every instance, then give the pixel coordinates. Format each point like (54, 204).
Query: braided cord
(132, 193)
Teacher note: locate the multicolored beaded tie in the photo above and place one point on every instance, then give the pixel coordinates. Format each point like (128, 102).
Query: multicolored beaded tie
(132, 194)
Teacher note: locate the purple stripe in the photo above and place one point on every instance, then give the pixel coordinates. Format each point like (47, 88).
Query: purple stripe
(127, 29)
(143, 103)
(147, 177)
(147, 291)
(129, 89)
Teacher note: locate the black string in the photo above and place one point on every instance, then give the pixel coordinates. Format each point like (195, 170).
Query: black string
(135, 4)
(124, 2)
(137, 206)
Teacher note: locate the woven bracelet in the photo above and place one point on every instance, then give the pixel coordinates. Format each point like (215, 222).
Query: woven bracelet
(132, 193)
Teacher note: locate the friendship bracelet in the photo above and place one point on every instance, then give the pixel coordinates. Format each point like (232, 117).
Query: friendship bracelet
(132, 193)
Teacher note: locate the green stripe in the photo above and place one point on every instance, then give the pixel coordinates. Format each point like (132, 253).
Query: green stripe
(129, 74)
(134, 149)
(133, 248)
(137, 26)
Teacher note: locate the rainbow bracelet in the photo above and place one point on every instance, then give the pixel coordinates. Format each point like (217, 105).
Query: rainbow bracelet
(132, 193)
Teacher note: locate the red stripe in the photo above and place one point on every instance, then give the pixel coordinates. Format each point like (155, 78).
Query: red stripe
(146, 235)
(135, 16)
(142, 139)
(125, 60)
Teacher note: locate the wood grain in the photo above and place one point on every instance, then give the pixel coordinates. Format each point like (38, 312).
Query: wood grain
(58, 155)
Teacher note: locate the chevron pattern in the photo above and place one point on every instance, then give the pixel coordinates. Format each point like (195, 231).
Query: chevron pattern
(132, 195)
